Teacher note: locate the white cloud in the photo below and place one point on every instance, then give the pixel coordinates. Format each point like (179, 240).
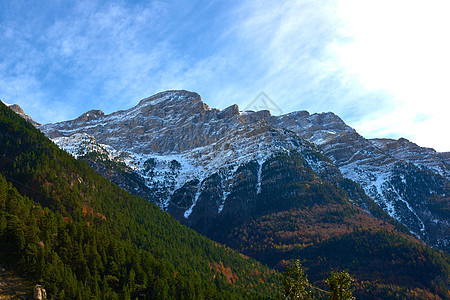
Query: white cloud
(401, 47)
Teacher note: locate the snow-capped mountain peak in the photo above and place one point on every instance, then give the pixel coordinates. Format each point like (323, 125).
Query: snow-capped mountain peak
(180, 150)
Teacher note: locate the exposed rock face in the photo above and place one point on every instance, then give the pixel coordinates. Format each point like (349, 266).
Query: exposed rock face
(208, 166)
(18, 110)
(169, 122)
(425, 158)
(39, 292)
(89, 116)
(317, 128)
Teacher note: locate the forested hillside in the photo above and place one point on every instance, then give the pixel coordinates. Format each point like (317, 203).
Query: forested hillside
(83, 237)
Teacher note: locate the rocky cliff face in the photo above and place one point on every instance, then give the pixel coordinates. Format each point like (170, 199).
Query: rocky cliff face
(424, 158)
(169, 122)
(207, 166)
(18, 110)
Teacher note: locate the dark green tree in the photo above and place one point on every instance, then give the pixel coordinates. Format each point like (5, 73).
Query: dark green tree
(295, 282)
(340, 286)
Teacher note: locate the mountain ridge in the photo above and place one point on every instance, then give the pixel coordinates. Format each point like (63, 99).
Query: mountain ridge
(176, 122)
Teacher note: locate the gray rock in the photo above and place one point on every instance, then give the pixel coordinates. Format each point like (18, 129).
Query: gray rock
(39, 293)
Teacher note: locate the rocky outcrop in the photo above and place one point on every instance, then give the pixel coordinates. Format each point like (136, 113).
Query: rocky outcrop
(39, 293)
(18, 110)
(89, 116)
(169, 122)
(424, 158)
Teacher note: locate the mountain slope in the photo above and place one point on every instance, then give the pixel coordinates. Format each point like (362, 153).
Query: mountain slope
(409, 182)
(84, 237)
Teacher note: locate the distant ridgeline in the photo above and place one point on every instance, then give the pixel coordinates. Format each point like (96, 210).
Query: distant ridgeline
(81, 236)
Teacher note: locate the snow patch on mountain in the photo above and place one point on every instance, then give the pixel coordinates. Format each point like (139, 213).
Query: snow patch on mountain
(188, 212)
(377, 183)
(258, 185)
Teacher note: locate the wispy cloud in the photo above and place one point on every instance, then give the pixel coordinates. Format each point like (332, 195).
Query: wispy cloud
(90, 55)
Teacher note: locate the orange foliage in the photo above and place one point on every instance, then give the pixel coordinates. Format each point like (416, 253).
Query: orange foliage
(226, 272)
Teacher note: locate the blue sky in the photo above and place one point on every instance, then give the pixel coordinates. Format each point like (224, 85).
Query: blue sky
(382, 66)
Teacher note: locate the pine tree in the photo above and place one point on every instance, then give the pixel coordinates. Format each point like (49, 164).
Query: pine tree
(340, 286)
(295, 282)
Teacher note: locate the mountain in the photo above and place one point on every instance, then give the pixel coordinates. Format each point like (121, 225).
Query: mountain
(172, 144)
(278, 187)
(173, 138)
(82, 237)
(18, 110)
